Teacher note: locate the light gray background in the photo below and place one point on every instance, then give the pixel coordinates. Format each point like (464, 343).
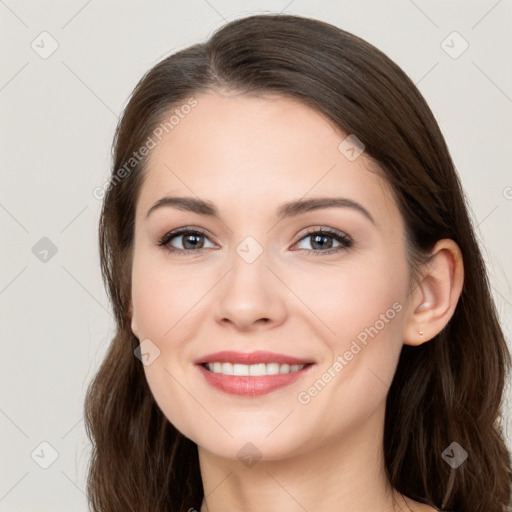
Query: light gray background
(58, 116)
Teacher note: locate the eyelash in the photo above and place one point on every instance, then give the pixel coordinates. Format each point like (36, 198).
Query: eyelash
(345, 241)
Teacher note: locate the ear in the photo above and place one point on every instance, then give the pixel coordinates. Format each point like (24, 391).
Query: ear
(436, 295)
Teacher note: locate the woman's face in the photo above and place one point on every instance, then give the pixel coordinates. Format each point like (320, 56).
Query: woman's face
(253, 280)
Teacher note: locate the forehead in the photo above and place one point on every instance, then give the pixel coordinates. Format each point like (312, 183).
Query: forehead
(256, 151)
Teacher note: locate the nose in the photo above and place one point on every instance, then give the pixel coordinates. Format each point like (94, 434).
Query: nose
(251, 296)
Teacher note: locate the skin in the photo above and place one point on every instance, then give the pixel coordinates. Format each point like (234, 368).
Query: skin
(249, 155)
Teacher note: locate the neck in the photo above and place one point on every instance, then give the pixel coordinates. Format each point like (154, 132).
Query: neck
(346, 474)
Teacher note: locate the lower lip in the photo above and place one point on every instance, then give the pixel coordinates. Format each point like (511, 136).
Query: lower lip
(254, 385)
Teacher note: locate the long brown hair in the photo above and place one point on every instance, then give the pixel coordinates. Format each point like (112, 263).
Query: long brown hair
(446, 390)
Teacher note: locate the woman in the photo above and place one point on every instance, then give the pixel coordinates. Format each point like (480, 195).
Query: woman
(303, 315)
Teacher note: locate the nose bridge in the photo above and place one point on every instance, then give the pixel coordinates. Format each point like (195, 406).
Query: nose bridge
(250, 250)
(249, 267)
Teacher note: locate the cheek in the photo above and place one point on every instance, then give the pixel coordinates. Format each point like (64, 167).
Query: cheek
(347, 300)
(361, 309)
(161, 296)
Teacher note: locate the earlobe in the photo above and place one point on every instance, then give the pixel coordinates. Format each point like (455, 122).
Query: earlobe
(435, 298)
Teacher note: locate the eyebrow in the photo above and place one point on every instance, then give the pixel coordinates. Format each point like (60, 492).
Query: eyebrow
(288, 209)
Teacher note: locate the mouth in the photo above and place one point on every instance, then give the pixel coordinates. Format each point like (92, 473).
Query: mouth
(251, 374)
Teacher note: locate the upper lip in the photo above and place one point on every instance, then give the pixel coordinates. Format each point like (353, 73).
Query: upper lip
(257, 357)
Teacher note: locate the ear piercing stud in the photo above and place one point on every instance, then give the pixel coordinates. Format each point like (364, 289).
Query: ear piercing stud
(420, 333)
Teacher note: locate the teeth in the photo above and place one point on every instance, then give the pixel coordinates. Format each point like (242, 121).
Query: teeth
(253, 369)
